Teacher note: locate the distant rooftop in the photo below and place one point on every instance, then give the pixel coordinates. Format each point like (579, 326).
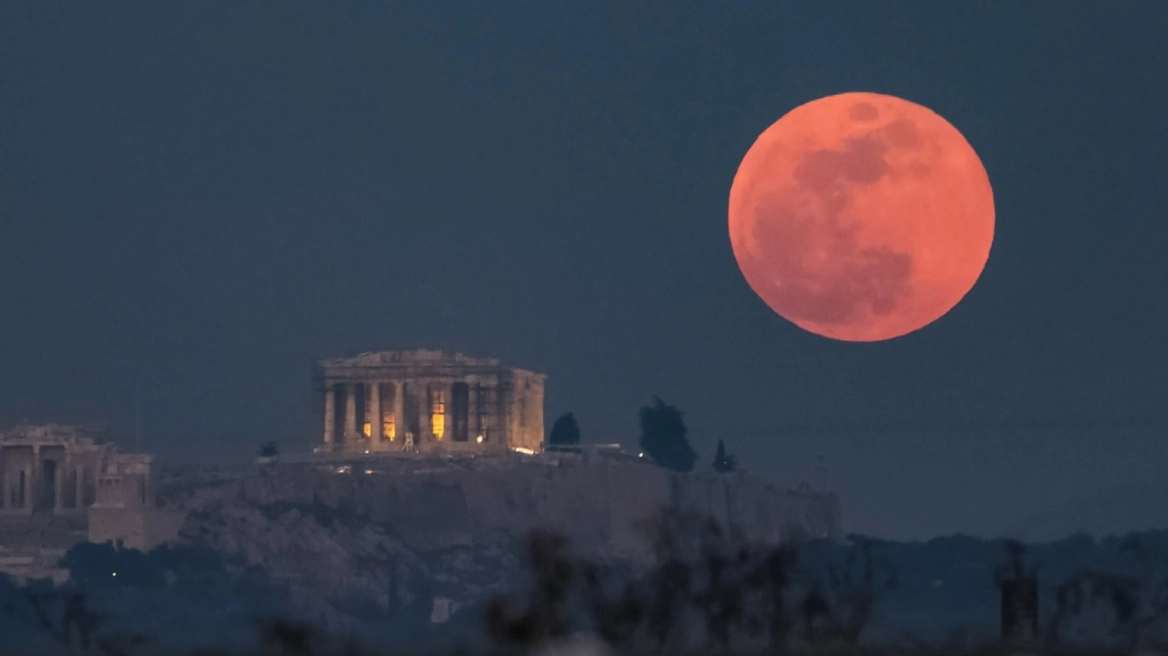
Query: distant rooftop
(53, 433)
(408, 357)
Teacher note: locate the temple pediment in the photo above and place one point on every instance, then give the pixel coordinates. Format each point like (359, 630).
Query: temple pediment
(408, 357)
(53, 434)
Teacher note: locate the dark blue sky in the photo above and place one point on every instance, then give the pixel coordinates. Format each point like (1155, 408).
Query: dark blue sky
(200, 199)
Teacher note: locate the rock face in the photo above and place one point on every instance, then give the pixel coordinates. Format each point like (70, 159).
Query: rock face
(345, 572)
(603, 505)
(370, 539)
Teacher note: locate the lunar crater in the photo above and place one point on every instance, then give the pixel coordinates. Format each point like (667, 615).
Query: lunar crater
(860, 161)
(902, 133)
(819, 266)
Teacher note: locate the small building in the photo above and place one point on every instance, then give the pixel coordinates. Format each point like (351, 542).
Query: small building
(125, 512)
(429, 402)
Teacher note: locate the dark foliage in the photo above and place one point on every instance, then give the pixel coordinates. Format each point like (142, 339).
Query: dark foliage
(188, 559)
(65, 616)
(564, 431)
(102, 565)
(269, 450)
(707, 589)
(283, 638)
(183, 581)
(543, 620)
(724, 462)
(715, 592)
(856, 587)
(1135, 605)
(1015, 566)
(664, 437)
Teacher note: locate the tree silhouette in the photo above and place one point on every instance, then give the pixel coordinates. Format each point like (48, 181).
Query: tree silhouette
(565, 430)
(103, 565)
(724, 463)
(663, 437)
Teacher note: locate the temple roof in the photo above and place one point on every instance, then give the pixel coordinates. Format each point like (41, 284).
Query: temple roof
(416, 362)
(410, 357)
(52, 433)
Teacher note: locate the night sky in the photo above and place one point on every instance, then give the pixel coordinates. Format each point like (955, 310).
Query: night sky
(199, 200)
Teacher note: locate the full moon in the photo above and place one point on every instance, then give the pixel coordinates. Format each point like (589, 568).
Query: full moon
(861, 217)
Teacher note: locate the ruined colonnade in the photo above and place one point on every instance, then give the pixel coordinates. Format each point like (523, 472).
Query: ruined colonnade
(425, 400)
(42, 477)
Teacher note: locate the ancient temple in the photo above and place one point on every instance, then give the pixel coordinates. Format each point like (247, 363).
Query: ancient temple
(61, 484)
(52, 468)
(427, 401)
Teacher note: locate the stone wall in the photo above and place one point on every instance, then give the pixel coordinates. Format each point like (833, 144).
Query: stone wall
(607, 506)
(134, 528)
(525, 411)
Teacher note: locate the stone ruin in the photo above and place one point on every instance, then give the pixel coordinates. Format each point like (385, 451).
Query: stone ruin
(60, 485)
(424, 401)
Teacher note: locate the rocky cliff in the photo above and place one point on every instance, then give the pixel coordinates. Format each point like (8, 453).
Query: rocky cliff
(364, 540)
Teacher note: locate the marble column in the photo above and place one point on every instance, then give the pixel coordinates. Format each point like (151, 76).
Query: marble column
(473, 429)
(350, 412)
(425, 414)
(330, 413)
(27, 491)
(448, 411)
(399, 410)
(80, 487)
(64, 474)
(34, 478)
(489, 411)
(373, 411)
(58, 487)
(505, 415)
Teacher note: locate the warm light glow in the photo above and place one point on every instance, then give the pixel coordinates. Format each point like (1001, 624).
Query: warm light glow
(438, 413)
(368, 471)
(368, 429)
(861, 217)
(523, 450)
(479, 439)
(390, 428)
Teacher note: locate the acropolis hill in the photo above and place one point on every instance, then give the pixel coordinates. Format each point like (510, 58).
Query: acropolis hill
(426, 403)
(422, 455)
(394, 532)
(604, 501)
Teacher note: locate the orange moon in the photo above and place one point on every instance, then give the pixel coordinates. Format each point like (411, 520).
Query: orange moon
(861, 217)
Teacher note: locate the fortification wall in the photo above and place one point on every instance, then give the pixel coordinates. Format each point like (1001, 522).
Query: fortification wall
(606, 507)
